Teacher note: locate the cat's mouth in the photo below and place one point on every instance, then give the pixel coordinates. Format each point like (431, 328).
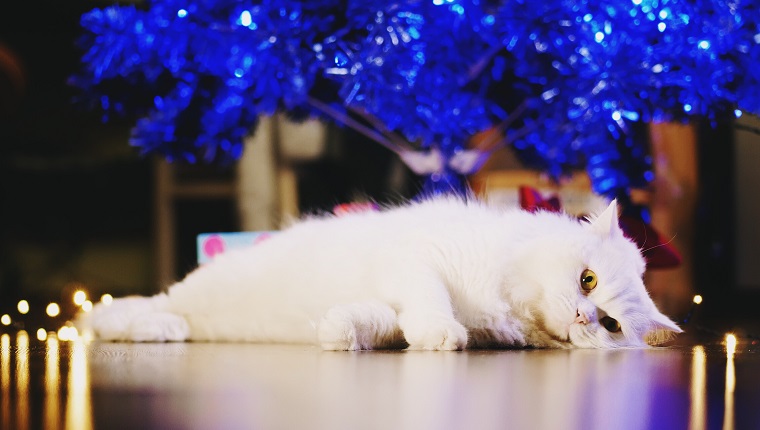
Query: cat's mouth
(578, 324)
(564, 335)
(572, 326)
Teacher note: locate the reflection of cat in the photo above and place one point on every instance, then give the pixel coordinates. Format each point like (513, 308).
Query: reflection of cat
(439, 274)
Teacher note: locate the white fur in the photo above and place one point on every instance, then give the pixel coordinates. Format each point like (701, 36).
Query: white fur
(440, 274)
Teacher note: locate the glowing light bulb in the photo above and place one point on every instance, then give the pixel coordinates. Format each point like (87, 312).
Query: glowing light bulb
(67, 333)
(79, 297)
(730, 344)
(87, 306)
(245, 18)
(53, 310)
(697, 299)
(5, 319)
(106, 299)
(23, 307)
(41, 334)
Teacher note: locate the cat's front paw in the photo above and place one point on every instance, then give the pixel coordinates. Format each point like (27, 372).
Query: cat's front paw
(434, 334)
(110, 326)
(336, 332)
(159, 327)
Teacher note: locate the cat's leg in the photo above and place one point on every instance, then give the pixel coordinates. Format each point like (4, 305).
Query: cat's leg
(357, 326)
(136, 319)
(159, 327)
(427, 317)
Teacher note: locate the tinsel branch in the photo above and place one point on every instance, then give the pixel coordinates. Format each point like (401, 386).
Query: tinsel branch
(354, 124)
(393, 137)
(476, 69)
(508, 140)
(495, 140)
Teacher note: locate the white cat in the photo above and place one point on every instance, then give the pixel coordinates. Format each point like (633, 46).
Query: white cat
(441, 274)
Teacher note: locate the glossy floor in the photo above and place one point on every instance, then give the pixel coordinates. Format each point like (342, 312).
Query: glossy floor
(56, 384)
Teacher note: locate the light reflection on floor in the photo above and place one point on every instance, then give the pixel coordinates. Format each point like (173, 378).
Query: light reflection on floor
(78, 405)
(47, 382)
(22, 380)
(728, 415)
(51, 411)
(5, 380)
(698, 405)
(76, 391)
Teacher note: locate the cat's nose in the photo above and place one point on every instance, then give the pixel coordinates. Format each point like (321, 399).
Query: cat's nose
(581, 317)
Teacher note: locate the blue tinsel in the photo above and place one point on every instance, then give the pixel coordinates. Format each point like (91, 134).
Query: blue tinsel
(432, 71)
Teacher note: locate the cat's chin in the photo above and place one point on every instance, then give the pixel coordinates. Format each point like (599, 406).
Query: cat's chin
(574, 332)
(554, 338)
(568, 332)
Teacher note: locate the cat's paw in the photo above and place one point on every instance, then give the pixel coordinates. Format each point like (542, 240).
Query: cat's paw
(434, 334)
(109, 326)
(159, 327)
(359, 326)
(336, 332)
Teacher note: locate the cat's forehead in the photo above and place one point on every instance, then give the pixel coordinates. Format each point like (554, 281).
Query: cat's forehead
(620, 295)
(616, 254)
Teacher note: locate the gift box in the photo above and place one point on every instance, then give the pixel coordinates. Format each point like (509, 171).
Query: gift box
(212, 244)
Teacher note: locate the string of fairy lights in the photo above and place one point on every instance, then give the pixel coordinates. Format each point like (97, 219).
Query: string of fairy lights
(53, 310)
(729, 339)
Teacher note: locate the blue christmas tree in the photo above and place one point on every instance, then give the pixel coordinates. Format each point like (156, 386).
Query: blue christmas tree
(563, 82)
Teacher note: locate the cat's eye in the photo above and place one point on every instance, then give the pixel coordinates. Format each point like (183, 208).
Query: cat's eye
(588, 280)
(610, 324)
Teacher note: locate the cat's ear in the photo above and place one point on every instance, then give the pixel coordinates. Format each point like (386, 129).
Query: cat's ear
(661, 330)
(606, 223)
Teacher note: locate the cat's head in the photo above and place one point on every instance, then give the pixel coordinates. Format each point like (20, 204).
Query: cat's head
(592, 289)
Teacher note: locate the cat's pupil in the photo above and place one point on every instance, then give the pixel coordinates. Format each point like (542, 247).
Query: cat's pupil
(588, 279)
(610, 324)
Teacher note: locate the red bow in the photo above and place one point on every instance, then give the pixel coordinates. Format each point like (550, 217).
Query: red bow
(531, 200)
(659, 253)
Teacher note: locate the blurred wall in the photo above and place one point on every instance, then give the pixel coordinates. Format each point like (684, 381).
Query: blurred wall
(747, 180)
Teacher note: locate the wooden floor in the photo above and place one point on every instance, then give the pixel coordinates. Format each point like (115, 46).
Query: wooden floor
(56, 384)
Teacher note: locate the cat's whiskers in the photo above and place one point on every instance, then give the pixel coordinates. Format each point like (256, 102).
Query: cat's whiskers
(659, 244)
